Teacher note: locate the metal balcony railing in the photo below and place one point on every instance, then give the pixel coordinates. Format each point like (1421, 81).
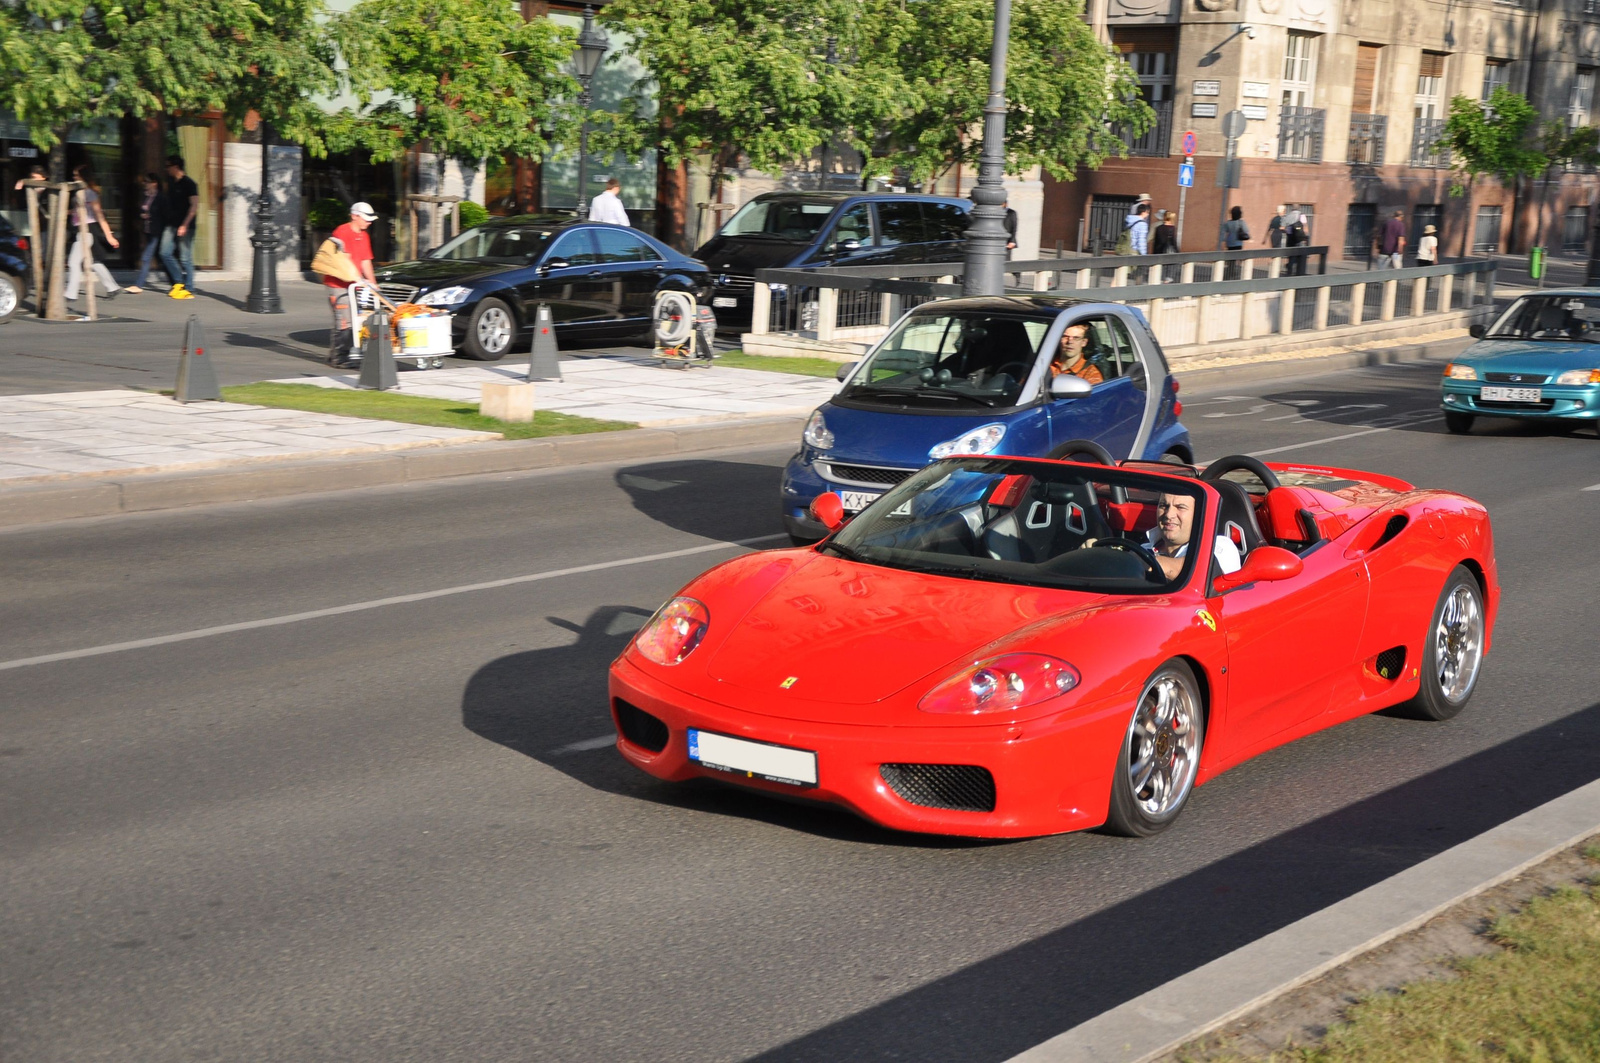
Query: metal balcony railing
(1427, 143)
(1157, 139)
(1367, 135)
(1300, 134)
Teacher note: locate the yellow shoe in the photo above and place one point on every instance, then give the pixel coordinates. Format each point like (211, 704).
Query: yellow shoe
(180, 292)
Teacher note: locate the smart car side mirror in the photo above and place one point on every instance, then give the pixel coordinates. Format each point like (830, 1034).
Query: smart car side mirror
(1266, 564)
(827, 509)
(845, 370)
(1476, 331)
(1067, 386)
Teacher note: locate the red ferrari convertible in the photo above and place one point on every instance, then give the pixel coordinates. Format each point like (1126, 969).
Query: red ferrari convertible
(1006, 647)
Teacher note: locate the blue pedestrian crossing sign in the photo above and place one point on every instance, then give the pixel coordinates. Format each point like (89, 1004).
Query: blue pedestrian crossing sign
(1186, 175)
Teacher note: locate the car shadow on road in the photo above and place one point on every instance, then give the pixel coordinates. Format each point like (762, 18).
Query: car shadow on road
(707, 497)
(998, 1007)
(551, 705)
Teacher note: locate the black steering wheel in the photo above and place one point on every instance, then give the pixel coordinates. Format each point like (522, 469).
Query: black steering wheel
(1140, 550)
(1254, 466)
(1074, 448)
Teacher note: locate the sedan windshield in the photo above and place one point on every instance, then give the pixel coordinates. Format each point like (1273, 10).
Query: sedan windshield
(497, 243)
(964, 358)
(1044, 524)
(1550, 317)
(785, 219)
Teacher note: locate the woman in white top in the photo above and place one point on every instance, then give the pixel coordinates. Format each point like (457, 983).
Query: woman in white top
(1428, 247)
(1170, 537)
(91, 197)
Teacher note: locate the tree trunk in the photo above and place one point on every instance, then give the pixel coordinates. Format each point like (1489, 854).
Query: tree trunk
(1467, 220)
(527, 190)
(672, 202)
(58, 155)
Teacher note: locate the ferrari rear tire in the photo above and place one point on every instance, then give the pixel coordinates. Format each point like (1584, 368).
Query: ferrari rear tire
(1452, 651)
(491, 330)
(1160, 754)
(1458, 423)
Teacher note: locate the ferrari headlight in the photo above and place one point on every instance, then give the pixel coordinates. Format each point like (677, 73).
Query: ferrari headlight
(1579, 376)
(454, 295)
(674, 632)
(978, 441)
(816, 433)
(1002, 684)
(1460, 372)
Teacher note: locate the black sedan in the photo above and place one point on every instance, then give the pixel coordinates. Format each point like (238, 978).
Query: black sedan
(599, 281)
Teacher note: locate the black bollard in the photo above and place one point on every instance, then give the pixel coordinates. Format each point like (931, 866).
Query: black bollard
(197, 381)
(545, 361)
(377, 357)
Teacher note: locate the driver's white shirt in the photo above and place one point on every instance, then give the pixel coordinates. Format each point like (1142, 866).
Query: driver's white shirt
(608, 208)
(1223, 550)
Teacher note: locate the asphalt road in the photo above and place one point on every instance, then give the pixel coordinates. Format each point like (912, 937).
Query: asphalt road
(397, 833)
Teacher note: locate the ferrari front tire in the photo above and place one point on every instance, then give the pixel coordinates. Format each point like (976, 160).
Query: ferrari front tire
(1458, 423)
(1452, 651)
(1160, 754)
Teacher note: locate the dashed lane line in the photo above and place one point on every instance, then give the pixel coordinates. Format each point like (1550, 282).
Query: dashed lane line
(378, 603)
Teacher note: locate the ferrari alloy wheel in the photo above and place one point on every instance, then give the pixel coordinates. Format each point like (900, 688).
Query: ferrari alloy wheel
(490, 331)
(1160, 754)
(1453, 652)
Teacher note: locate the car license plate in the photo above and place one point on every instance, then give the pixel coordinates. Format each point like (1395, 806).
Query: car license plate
(724, 301)
(760, 760)
(856, 501)
(1511, 394)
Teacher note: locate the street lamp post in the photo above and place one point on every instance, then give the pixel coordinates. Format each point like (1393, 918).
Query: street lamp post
(592, 47)
(985, 272)
(263, 298)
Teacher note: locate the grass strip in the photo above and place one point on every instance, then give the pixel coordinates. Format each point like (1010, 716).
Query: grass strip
(1538, 1001)
(412, 409)
(779, 364)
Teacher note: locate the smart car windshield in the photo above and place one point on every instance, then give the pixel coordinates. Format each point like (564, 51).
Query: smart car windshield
(784, 219)
(1038, 523)
(512, 245)
(1550, 317)
(959, 358)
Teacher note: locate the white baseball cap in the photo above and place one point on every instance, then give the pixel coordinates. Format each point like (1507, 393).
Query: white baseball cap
(364, 211)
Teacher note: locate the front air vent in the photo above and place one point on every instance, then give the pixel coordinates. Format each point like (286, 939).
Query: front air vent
(639, 727)
(958, 787)
(1390, 663)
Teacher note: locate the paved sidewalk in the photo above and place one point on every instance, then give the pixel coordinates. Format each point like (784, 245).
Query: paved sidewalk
(623, 387)
(99, 433)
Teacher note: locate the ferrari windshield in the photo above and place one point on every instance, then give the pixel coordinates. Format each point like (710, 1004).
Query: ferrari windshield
(1039, 523)
(963, 358)
(1550, 317)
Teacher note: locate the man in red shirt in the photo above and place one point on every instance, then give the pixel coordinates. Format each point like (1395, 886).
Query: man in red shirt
(358, 245)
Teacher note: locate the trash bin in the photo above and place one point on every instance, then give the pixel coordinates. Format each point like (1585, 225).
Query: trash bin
(1536, 263)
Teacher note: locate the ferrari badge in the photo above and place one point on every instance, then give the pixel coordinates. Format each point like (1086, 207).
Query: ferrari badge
(1205, 617)
(787, 683)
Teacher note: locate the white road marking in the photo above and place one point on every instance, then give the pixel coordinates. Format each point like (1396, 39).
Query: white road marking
(1335, 439)
(378, 603)
(1596, 487)
(1242, 413)
(598, 742)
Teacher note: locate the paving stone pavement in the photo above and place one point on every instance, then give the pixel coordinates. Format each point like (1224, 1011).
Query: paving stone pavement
(623, 387)
(69, 434)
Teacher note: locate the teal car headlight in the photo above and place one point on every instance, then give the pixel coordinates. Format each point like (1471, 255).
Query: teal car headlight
(1457, 371)
(1579, 376)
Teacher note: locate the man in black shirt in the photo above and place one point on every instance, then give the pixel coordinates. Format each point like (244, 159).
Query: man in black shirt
(178, 209)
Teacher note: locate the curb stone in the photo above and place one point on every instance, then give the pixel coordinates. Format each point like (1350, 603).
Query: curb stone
(1233, 985)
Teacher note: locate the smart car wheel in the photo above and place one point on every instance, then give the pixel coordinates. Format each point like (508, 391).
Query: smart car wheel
(1458, 423)
(1160, 754)
(10, 295)
(1452, 651)
(490, 331)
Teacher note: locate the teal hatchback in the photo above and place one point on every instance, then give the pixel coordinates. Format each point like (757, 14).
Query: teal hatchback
(1540, 360)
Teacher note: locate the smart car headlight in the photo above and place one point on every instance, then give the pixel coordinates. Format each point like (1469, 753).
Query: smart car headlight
(816, 433)
(1579, 376)
(674, 632)
(451, 296)
(1456, 371)
(978, 441)
(1002, 684)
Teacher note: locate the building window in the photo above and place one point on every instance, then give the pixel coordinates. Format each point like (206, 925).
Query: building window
(1360, 221)
(1496, 75)
(1422, 216)
(1575, 230)
(1427, 113)
(1486, 233)
(1299, 69)
(1581, 98)
(1155, 73)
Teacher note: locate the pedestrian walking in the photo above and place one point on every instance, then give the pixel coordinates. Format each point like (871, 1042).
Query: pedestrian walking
(1232, 237)
(1296, 234)
(1428, 247)
(36, 172)
(607, 206)
(357, 243)
(179, 207)
(84, 240)
(1392, 241)
(150, 226)
(1164, 240)
(1138, 224)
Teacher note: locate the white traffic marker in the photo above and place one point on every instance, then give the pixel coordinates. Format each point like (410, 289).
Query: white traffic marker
(378, 603)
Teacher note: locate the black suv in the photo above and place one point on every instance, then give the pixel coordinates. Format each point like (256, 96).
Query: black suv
(782, 229)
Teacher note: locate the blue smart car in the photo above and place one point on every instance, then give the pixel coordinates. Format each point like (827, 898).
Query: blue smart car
(974, 376)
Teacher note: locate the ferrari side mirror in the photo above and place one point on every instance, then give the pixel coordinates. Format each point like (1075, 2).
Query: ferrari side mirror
(827, 509)
(1067, 386)
(1264, 565)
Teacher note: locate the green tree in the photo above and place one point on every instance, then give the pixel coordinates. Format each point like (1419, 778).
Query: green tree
(289, 63)
(1563, 146)
(468, 78)
(1493, 137)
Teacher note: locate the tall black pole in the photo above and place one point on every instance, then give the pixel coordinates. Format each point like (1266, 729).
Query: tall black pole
(584, 98)
(263, 298)
(985, 272)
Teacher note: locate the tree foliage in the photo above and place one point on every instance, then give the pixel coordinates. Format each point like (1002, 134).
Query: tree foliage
(1493, 137)
(469, 77)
